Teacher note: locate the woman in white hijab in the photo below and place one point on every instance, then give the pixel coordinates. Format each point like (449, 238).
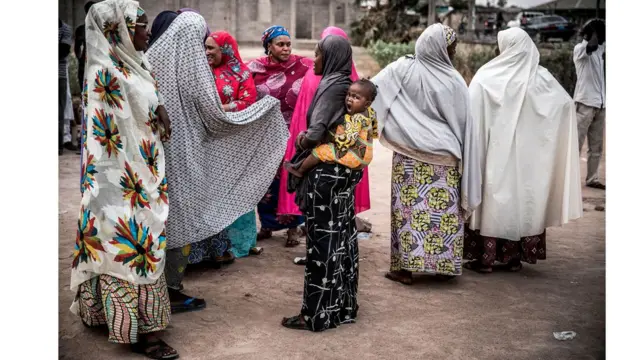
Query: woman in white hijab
(424, 116)
(531, 173)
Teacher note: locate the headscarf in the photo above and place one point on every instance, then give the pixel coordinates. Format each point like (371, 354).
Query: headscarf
(449, 35)
(424, 113)
(124, 204)
(528, 144)
(233, 78)
(161, 24)
(219, 164)
(286, 203)
(272, 33)
(183, 10)
(230, 54)
(327, 107)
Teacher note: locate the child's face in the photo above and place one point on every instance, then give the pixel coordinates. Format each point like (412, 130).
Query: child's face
(357, 99)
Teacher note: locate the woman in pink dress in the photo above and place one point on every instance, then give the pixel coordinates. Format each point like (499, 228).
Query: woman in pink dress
(280, 75)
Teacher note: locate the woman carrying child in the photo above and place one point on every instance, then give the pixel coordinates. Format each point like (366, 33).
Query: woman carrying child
(325, 196)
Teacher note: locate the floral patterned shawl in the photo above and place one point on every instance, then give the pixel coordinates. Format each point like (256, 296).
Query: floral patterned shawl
(124, 206)
(281, 80)
(233, 78)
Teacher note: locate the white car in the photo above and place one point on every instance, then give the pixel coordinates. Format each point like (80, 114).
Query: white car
(523, 18)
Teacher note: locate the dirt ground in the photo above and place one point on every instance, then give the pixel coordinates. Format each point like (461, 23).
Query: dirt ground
(497, 316)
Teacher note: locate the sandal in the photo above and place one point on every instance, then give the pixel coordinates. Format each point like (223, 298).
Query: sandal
(514, 266)
(185, 303)
(397, 277)
(256, 251)
(157, 349)
(226, 259)
(477, 266)
(295, 322)
(264, 234)
(291, 238)
(300, 261)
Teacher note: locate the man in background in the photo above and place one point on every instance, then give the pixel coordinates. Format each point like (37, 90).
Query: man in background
(80, 46)
(64, 49)
(589, 95)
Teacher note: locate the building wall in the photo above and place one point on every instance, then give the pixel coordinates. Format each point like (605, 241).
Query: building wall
(245, 19)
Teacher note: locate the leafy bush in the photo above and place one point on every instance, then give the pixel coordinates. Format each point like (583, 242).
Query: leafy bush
(558, 59)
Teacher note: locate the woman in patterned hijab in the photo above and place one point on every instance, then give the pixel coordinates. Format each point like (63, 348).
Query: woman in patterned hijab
(424, 116)
(219, 163)
(119, 257)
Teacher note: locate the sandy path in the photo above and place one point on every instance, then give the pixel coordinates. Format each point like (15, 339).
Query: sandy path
(499, 316)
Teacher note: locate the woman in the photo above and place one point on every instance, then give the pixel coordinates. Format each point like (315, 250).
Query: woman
(118, 260)
(531, 165)
(331, 272)
(216, 160)
(237, 91)
(424, 116)
(286, 202)
(279, 74)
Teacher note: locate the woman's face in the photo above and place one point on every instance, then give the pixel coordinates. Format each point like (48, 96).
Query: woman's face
(451, 49)
(141, 33)
(317, 62)
(213, 51)
(280, 48)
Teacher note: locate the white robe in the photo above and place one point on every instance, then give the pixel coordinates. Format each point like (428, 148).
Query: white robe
(530, 157)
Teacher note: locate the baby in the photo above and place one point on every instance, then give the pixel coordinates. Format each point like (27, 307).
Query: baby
(350, 143)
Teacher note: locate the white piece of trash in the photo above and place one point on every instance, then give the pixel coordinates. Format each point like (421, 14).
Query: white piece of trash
(564, 335)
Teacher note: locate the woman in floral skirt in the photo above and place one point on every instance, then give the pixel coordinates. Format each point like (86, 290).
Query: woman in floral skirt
(425, 95)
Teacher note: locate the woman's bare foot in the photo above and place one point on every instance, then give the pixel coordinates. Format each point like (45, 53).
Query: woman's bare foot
(292, 238)
(402, 276)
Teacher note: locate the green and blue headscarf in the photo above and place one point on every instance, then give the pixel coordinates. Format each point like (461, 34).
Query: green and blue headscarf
(272, 33)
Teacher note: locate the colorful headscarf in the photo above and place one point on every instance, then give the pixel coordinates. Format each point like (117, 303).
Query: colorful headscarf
(449, 34)
(140, 12)
(272, 33)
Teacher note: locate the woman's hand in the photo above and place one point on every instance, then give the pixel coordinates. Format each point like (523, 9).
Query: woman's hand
(163, 119)
(226, 107)
(299, 140)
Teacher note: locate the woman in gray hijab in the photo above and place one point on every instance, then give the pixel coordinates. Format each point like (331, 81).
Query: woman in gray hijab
(424, 117)
(325, 196)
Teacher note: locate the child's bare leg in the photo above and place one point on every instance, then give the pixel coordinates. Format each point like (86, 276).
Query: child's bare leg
(307, 164)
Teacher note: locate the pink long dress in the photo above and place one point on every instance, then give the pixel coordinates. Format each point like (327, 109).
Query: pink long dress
(286, 203)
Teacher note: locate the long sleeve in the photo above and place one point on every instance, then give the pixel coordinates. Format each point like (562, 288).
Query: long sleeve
(245, 95)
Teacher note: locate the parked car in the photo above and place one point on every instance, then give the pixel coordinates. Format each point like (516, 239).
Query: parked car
(543, 28)
(523, 18)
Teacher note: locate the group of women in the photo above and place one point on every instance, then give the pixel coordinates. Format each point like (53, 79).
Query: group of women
(175, 120)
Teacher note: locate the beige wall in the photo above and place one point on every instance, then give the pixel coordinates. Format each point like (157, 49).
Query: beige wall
(242, 17)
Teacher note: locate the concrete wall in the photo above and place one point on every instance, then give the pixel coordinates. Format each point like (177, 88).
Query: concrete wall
(246, 19)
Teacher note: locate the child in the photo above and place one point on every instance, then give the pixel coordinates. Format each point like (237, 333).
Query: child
(350, 143)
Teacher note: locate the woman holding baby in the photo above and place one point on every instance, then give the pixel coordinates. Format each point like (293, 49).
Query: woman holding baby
(325, 170)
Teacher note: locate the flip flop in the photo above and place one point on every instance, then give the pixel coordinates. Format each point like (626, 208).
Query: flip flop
(189, 305)
(300, 261)
(256, 251)
(155, 350)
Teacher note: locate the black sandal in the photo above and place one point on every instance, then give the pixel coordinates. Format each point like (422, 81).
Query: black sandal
(295, 323)
(187, 305)
(291, 238)
(157, 349)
